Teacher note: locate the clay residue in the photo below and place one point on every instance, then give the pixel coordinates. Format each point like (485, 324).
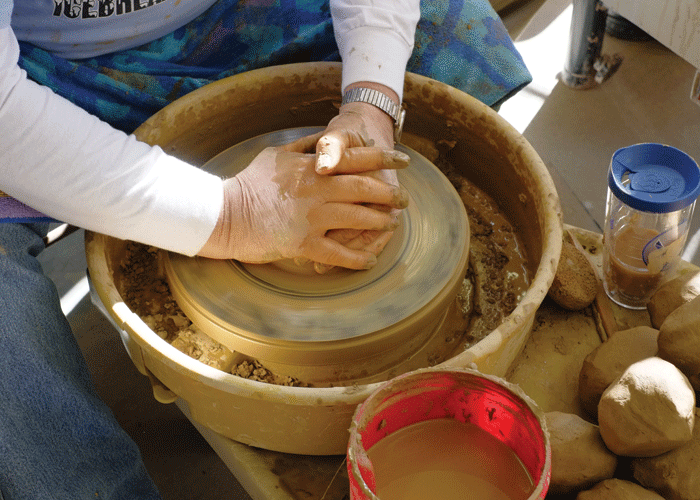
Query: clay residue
(254, 370)
(497, 277)
(141, 281)
(145, 290)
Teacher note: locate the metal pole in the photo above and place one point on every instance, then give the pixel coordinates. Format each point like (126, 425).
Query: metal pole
(585, 43)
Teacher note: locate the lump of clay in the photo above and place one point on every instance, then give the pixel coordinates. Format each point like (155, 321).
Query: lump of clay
(579, 456)
(575, 283)
(610, 359)
(679, 338)
(198, 345)
(676, 474)
(618, 489)
(649, 410)
(695, 382)
(673, 294)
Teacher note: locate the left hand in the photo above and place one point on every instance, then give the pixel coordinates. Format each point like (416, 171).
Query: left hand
(279, 207)
(358, 125)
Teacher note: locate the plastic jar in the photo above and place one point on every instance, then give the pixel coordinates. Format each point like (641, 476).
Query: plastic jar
(652, 190)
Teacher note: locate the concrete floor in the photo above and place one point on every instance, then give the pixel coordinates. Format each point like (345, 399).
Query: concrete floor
(575, 132)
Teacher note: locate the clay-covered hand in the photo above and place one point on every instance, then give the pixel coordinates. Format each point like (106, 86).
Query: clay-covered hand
(359, 125)
(279, 207)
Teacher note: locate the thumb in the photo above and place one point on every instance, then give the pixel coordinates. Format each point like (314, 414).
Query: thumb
(329, 150)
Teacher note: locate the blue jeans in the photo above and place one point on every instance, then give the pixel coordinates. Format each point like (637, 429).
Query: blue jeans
(58, 440)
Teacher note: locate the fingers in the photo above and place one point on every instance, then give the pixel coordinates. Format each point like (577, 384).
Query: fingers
(301, 182)
(329, 253)
(359, 160)
(339, 151)
(356, 238)
(369, 241)
(344, 236)
(305, 144)
(350, 216)
(329, 150)
(349, 161)
(344, 132)
(364, 189)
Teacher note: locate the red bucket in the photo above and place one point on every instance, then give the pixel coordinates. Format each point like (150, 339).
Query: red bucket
(499, 410)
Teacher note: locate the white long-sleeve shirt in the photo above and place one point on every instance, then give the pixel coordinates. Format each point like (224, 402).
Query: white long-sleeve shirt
(68, 164)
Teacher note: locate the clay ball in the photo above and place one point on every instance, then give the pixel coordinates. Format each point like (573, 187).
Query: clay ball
(648, 410)
(679, 338)
(695, 382)
(676, 474)
(575, 284)
(618, 489)
(610, 359)
(579, 456)
(673, 294)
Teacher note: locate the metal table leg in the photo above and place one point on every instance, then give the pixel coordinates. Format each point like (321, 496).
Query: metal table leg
(585, 67)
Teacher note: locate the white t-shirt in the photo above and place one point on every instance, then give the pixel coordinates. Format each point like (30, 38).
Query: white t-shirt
(77, 29)
(68, 164)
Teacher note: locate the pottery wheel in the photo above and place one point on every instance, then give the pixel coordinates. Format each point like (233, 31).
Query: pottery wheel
(282, 310)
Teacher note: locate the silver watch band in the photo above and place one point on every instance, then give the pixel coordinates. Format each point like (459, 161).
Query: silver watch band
(381, 101)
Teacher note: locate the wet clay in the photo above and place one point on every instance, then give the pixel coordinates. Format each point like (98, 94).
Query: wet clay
(496, 280)
(498, 275)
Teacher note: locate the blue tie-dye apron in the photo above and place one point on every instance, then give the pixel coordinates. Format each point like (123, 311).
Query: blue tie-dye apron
(459, 42)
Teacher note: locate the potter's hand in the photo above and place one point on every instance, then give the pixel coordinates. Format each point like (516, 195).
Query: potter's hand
(358, 125)
(279, 207)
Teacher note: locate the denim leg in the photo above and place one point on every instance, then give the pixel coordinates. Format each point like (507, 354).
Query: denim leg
(58, 440)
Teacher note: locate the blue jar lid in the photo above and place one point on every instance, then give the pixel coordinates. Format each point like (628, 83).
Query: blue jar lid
(654, 178)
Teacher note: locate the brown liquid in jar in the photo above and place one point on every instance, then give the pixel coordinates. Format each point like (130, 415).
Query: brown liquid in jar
(447, 459)
(628, 272)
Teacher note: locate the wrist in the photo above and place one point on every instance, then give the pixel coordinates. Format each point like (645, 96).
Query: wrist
(221, 243)
(380, 103)
(379, 126)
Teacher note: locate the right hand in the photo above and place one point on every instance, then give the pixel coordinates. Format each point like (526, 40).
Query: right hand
(358, 125)
(279, 207)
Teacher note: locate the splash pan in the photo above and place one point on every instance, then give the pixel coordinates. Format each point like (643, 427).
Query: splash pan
(445, 126)
(317, 327)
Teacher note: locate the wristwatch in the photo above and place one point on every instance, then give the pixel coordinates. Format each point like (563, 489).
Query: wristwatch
(380, 100)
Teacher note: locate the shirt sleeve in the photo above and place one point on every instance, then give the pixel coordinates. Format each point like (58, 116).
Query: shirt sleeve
(5, 12)
(375, 39)
(70, 165)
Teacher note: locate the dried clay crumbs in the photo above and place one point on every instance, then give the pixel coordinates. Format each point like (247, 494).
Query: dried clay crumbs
(141, 281)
